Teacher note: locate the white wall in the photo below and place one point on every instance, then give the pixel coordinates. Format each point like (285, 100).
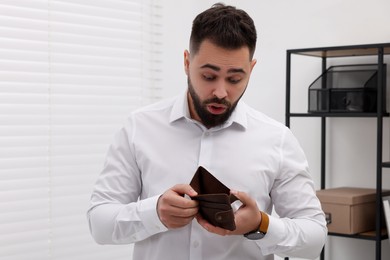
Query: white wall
(290, 24)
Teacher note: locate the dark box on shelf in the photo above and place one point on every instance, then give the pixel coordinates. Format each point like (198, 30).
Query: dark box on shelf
(349, 210)
(347, 88)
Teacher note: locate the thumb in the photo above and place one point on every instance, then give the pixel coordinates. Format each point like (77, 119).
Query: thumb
(184, 189)
(242, 196)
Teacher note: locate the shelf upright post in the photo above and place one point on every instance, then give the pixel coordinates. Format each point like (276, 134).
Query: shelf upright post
(323, 143)
(378, 217)
(323, 132)
(288, 87)
(288, 93)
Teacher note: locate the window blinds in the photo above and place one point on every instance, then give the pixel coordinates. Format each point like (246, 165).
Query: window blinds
(70, 71)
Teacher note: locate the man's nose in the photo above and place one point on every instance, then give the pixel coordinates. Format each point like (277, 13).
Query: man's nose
(220, 90)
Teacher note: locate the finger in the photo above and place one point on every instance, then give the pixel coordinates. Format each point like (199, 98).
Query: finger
(242, 196)
(184, 189)
(183, 212)
(177, 222)
(171, 200)
(210, 228)
(183, 203)
(248, 217)
(173, 216)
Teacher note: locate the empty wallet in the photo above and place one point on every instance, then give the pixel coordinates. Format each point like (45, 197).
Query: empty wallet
(214, 199)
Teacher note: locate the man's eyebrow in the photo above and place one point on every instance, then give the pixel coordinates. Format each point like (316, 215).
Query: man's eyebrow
(236, 70)
(216, 68)
(210, 66)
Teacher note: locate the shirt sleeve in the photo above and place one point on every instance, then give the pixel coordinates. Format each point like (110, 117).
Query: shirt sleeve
(300, 229)
(116, 214)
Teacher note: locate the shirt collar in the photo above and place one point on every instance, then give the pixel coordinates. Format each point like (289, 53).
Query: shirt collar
(181, 110)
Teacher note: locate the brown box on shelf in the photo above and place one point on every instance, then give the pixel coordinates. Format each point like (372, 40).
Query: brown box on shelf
(349, 210)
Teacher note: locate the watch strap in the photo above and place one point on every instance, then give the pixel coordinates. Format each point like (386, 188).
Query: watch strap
(264, 223)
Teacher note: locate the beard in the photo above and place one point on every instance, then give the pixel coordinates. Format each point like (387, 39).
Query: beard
(208, 119)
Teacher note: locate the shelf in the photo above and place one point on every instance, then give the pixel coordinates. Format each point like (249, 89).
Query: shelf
(318, 114)
(344, 51)
(386, 164)
(366, 235)
(379, 50)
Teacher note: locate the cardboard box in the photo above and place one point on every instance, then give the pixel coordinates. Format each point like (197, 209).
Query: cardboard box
(349, 210)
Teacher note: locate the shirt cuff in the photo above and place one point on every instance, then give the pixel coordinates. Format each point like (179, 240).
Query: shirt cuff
(147, 210)
(275, 234)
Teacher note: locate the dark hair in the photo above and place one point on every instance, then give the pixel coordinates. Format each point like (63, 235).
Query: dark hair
(225, 26)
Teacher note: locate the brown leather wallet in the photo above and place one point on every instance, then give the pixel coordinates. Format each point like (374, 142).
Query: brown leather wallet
(214, 199)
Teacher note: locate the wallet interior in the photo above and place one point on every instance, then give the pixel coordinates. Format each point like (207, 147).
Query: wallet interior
(214, 199)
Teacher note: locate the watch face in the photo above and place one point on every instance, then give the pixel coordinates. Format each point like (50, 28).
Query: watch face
(255, 235)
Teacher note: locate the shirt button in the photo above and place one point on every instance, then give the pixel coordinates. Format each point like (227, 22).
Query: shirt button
(196, 244)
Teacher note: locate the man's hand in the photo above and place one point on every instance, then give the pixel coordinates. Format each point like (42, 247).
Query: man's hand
(174, 210)
(247, 217)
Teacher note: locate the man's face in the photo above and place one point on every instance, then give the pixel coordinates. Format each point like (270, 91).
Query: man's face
(217, 79)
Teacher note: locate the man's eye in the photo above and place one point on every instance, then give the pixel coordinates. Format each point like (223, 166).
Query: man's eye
(208, 77)
(234, 80)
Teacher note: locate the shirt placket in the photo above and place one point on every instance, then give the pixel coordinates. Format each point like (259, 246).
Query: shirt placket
(206, 149)
(195, 243)
(205, 156)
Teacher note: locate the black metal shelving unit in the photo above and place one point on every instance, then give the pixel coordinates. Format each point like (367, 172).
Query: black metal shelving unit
(379, 50)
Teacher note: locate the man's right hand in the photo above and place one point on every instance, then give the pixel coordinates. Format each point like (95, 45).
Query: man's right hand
(174, 210)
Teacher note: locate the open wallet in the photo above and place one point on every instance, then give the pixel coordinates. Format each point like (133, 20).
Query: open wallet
(214, 199)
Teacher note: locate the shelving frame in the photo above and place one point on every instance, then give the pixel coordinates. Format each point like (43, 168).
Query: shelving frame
(324, 53)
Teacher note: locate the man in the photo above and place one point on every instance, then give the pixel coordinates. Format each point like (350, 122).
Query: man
(143, 194)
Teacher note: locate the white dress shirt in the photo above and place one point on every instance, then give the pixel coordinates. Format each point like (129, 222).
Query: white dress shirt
(160, 146)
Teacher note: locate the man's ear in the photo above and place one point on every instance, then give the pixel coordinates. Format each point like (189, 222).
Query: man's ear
(187, 61)
(253, 63)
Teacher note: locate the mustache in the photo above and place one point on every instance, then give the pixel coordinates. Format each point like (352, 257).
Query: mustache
(217, 101)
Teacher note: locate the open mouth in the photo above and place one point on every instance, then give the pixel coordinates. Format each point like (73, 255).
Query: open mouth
(216, 109)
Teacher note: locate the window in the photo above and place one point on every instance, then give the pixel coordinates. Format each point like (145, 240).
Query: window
(70, 71)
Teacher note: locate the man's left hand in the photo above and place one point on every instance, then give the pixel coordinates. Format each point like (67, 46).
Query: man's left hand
(247, 217)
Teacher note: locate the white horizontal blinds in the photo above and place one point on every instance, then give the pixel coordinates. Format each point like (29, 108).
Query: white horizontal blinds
(70, 71)
(24, 128)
